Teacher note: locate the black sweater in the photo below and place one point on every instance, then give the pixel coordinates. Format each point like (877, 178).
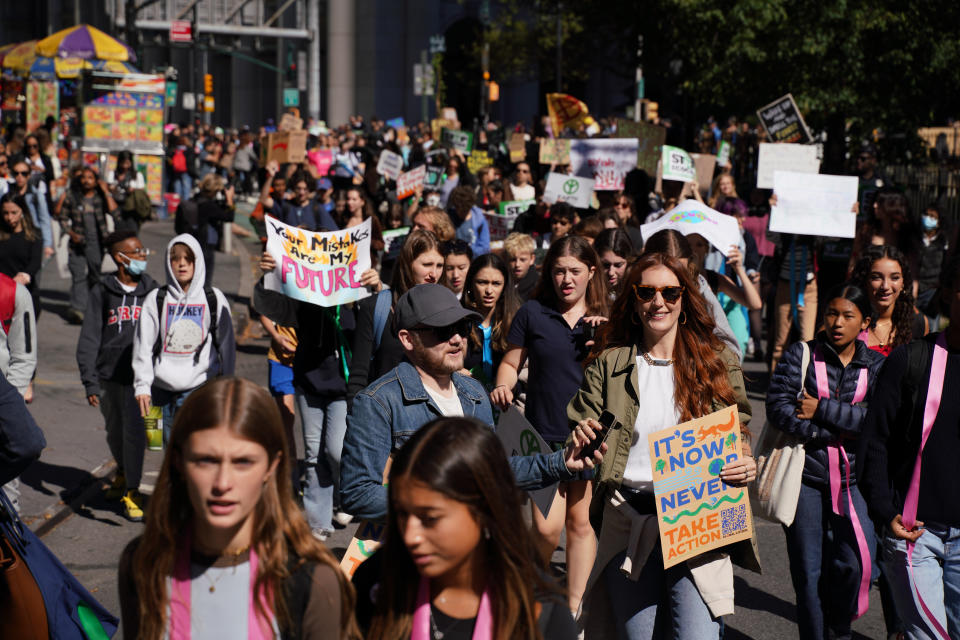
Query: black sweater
(891, 439)
(368, 365)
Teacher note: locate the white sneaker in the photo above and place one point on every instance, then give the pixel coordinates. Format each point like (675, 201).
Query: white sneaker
(322, 534)
(343, 519)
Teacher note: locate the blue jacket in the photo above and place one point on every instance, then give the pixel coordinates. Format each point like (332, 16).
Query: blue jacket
(835, 418)
(474, 231)
(388, 412)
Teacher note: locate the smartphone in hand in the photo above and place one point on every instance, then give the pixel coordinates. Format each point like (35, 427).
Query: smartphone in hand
(607, 422)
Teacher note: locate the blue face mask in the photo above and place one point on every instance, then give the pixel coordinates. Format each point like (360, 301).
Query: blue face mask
(135, 267)
(929, 223)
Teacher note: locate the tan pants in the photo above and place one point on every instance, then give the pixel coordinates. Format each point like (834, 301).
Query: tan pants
(807, 316)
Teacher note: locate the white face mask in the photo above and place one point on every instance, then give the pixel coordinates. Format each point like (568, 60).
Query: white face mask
(433, 200)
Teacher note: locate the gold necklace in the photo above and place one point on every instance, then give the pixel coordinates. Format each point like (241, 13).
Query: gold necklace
(213, 583)
(876, 334)
(653, 362)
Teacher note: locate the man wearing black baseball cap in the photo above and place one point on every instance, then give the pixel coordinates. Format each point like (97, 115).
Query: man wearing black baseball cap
(432, 327)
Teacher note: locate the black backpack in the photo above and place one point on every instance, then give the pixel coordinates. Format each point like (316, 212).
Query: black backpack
(214, 322)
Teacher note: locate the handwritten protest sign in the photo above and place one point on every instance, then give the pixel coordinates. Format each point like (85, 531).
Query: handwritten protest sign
(723, 154)
(461, 141)
(606, 160)
(500, 225)
(319, 268)
(515, 207)
(322, 159)
(367, 539)
(784, 122)
(814, 204)
(479, 160)
(555, 151)
(390, 164)
(519, 438)
(704, 164)
(437, 125)
(801, 158)
(692, 216)
(573, 189)
(409, 181)
(696, 510)
(517, 147)
(677, 165)
(650, 138)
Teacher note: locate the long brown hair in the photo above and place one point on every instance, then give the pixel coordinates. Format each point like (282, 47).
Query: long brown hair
(700, 376)
(506, 307)
(578, 248)
(903, 308)
(29, 231)
(279, 528)
(463, 460)
(418, 242)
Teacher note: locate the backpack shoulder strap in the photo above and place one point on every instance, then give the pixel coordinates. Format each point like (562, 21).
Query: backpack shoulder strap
(213, 305)
(380, 313)
(158, 344)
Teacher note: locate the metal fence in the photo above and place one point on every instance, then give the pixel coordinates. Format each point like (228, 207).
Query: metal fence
(927, 185)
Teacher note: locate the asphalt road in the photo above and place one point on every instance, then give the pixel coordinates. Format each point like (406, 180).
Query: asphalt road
(63, 500)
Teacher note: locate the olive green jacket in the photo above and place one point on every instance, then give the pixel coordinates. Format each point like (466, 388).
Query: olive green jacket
(610, 382)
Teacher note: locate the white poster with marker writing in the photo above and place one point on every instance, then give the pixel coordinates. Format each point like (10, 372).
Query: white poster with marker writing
(606, 161)
(572, 189)
(692, 216)
(814, 204)
(799, 158)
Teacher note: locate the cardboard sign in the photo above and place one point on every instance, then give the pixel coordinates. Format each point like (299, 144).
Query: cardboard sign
(409, 181)
(677, 165)
(606, 160)
(800, 158)
(573, 189)
(784, 122)
(479, 160)
(519, 438)
(390, 164)
(284, 147)
(692, 216)
(696, 511)
(290, 122)
(518, 148)
(515, 207)
(321, 268)
(437, 125)
(461, 141)
(704, 164)
(723, 154)
(814, 204)
(555, 151)
(650, 138)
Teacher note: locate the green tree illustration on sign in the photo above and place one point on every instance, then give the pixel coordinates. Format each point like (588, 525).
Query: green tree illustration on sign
(660, 466)
(732, 438)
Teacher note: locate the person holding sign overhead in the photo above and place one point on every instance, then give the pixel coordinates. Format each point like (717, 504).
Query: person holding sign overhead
(657, 363)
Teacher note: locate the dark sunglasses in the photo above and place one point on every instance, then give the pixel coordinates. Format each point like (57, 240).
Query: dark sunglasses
(21, 173)
(443, 334)
(32, 146)
(646, 292)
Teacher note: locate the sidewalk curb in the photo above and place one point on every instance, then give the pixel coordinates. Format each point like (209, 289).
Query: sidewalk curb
(60, 511)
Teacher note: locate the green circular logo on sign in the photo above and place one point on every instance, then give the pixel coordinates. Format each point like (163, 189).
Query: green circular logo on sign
(570, 187)
(528, 443)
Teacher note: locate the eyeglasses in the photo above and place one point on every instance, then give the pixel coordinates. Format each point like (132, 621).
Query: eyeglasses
(21, 173)
(443, 334)
(646, 292)
(32, 146)
(142, 251)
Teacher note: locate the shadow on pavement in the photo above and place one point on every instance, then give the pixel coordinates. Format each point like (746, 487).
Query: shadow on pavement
(749, 597)
(40, 475)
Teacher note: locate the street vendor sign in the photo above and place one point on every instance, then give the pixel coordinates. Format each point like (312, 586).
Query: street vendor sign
(696, 511)
(319, 268)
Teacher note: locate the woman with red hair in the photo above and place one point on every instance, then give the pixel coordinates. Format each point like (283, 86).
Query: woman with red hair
(658, 352)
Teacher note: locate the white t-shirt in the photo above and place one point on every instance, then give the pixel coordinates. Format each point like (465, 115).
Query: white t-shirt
(525, 192)
(449, 407)
(657, 411)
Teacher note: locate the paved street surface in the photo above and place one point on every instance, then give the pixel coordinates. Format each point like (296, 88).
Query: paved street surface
(62, 498)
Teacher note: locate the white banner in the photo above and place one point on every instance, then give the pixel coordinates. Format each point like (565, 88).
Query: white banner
(814, 204)
(676, 164)
(800, 158)
(606, 160)
(573, 189)
(692, 216)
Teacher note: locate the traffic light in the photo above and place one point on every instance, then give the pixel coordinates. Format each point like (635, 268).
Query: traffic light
(208, 84)
(493, 91)
(651, 111)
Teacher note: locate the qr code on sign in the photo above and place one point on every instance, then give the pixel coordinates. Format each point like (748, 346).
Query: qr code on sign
(734, 520)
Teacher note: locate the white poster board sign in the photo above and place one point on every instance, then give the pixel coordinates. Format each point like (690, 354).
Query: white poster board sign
(605, 160)
(814, 204)
(573, 189)
(692, 216)
(519, 438)
(390, 164)
(500, 224)
(408, 182)
(800, 158)
(676, 164)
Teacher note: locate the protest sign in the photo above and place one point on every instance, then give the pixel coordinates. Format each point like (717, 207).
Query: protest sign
(606, 160)
(396, 123)
(449, 113)
(390, 164)
(784, 122)
(814, 205)
(515, 207)
(518, 147)
(367, 539)
(555, 151)
(704, 164)
(393, 240)
(692, 216)
(519, 438)
(500, 225)
(677, 165)
(723, 154)
(696, 510)
(650, 138)
(432, 177)
(409, 181)
(801, 158)
(461, 141)
(479, 160)
(321, 268)
(322, 159)
(437, 125)
(284, 147)
(573, 189)
(290, 122)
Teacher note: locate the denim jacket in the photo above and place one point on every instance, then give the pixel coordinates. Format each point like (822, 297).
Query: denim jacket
(388, 412)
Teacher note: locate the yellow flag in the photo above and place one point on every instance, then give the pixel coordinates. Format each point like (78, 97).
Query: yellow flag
(566, 111)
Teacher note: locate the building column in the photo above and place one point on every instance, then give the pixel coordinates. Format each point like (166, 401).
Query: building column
(313, 60)
(341, 82)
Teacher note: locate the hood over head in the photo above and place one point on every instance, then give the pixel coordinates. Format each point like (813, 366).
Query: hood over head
(199, 268)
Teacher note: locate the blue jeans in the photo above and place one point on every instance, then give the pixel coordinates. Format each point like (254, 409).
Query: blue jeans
(660, 604)
(936, 568)
(825, 562)
(170, 402)
(182, 185)
(324, 423)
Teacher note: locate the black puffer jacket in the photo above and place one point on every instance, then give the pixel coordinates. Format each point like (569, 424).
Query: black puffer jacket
(835, 417)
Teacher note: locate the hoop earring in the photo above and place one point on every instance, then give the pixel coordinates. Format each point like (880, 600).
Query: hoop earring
(683, 317)
(635, 318)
